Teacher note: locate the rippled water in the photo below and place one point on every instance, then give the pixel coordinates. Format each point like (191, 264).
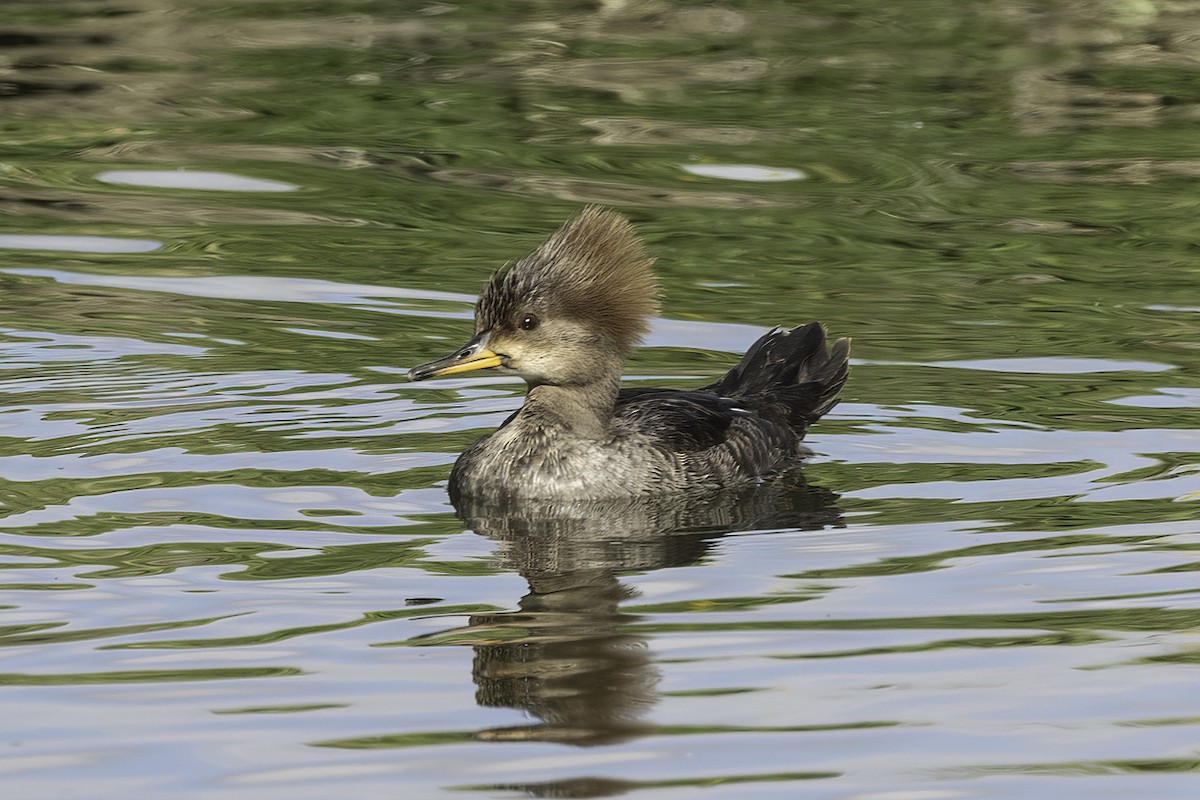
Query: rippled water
(228, 564)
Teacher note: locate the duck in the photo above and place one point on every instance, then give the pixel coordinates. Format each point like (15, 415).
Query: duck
(566, 318)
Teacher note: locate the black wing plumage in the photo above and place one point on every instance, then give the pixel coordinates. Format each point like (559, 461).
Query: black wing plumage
(684, 421)
(790, 377)
(786, 378)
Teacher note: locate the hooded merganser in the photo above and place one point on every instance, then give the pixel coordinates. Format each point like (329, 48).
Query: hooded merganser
(565, 318)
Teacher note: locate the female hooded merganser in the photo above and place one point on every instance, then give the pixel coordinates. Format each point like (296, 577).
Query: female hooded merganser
(565, 318)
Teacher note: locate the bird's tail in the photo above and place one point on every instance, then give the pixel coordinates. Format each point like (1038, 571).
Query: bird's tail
(789, 376)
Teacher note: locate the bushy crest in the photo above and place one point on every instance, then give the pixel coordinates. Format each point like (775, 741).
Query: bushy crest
(593, 269)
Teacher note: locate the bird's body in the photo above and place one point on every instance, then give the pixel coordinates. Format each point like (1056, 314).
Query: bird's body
(565, 318)
(661, 440)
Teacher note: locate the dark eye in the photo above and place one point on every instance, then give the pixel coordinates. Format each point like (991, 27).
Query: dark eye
(529, 322)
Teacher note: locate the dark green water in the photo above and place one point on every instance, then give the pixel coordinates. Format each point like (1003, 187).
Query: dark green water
(228, 566)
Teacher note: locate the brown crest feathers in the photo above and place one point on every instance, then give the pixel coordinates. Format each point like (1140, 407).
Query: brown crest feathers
(593, 269)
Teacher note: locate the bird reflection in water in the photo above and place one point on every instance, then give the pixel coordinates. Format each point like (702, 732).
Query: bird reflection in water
(569, 657)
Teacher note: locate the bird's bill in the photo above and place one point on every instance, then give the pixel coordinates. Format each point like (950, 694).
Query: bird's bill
(471, 356)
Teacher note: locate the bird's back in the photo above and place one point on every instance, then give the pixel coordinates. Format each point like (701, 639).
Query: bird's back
(750, 422)
(790, 377)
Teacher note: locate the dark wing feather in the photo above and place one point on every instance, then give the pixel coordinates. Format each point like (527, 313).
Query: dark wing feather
(789, 376)
(683, 421)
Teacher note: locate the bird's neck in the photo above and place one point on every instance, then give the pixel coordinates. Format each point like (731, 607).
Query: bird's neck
(580, 411)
